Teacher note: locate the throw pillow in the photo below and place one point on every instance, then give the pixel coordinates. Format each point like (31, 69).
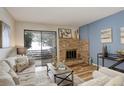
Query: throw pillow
(117, 81)
(14, 76)
(21, 66)
(22, 59)
(22, 63)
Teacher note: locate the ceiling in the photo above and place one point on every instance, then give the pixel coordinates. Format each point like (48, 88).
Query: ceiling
(69, 16)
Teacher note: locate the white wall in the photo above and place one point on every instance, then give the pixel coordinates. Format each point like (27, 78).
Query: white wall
(7, 18)
(20, 26)
(17, 28)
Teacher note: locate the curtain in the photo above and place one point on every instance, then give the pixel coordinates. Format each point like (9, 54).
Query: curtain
(5, 35)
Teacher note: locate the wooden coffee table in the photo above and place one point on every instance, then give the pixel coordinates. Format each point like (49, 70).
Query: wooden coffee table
(61, 77)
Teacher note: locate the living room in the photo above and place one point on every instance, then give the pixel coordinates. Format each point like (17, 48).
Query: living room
(75, 46)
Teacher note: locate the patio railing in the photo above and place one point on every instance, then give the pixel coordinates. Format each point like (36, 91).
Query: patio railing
(39, 54)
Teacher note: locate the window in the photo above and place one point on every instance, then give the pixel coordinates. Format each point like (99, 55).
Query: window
(5, 35)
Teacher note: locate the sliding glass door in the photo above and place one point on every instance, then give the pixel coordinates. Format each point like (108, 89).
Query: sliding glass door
(48, 46)
(41, 45)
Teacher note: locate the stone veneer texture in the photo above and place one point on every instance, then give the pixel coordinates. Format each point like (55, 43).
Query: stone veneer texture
(70, 44)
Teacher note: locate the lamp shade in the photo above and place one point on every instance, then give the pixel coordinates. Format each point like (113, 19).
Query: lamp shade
(21, 51)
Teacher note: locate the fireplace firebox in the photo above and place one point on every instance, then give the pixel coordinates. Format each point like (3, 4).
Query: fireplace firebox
(71, 54)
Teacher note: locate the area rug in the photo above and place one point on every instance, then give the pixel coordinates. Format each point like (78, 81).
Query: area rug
(43, 80)
(40, 78)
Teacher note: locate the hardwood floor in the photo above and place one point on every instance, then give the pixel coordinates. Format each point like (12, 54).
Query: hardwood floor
(83, 70)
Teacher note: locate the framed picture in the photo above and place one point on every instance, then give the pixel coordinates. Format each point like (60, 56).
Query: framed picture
(65, 33)
(77, 34)
(106, 35)
(122, 35)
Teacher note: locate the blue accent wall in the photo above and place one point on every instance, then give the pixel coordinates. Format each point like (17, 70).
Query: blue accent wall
(91, 32)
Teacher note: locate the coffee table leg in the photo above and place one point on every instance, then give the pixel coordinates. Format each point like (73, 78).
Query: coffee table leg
(47, 70)
(55, 78)
(97, 62)
(72, 79)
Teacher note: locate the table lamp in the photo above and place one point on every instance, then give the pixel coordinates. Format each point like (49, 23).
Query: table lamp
(21, 51)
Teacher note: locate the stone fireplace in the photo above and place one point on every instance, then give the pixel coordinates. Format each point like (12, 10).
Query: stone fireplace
(72, 50)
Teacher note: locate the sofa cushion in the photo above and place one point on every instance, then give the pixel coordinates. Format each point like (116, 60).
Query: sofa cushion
(21, 66)
(14, 76)
(117, 81)
(30, 69)
(4, 66)
(6, 79)
(22, 59)
(12, 62)
(22, 63)
(28, 79)
(96, 82)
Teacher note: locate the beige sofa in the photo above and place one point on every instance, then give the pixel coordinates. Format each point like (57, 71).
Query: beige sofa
(10, 77)
(7, 71)
(105, 77)
(8, 74)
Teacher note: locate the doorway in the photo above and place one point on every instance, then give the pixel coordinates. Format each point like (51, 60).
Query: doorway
(42, 45)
